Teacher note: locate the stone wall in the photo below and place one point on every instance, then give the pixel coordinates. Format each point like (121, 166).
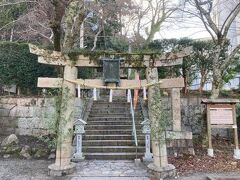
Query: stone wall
(191, 113)
(30, 116)
(34, 116)
(193, 116)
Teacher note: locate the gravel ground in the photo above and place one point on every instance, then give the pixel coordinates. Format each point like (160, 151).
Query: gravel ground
(215, 176)
(11, 169)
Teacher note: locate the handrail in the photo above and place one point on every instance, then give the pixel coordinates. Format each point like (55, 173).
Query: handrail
(134, 132)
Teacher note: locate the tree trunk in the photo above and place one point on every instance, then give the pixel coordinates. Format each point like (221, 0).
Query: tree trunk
(57, 37)
(217, 75)
(73, 19)
(59, 9)
(202, 83)
(217, 83)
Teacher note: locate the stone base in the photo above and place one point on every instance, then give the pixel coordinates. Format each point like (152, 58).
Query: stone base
(147, 159)
(236, 154)
(54, 170)
(78, 157)
(157, 173)
(179, 142)
(210, 152)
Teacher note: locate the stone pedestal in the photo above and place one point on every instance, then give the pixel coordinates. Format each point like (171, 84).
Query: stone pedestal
(146, 129)
(54, 170)
(156, 173)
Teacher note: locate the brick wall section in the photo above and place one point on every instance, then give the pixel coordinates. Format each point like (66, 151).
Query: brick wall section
(30, 116)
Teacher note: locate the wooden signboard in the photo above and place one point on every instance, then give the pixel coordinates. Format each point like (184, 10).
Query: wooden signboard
(221, 113)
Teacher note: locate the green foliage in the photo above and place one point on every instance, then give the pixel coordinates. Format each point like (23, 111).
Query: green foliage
(85, 73)
(50, 140)
(18, 66)
(199, 62)
(159, 119)
(57, 120)
(119, 45)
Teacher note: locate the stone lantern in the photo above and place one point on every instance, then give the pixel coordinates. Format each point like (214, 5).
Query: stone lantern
(79, 131)
(146, 129)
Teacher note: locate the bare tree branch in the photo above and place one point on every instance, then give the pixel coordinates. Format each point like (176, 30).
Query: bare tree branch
(229, 20)
(15, 3)
(207, 15)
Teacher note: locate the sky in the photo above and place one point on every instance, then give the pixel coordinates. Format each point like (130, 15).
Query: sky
(191, 28)
(183, 30)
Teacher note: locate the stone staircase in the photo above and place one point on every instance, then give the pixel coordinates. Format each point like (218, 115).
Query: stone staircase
(109, 131)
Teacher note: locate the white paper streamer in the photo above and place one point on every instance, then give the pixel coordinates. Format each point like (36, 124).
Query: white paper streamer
(79, 91)
(144, 93)
(129, 96)
(111, 95)
(94, 94)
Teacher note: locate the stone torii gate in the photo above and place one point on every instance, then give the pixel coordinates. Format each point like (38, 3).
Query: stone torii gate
(63, 164)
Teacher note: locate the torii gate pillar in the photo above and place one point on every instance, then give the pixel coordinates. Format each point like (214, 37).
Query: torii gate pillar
(176, 108)
(63, 164)
(160, 167)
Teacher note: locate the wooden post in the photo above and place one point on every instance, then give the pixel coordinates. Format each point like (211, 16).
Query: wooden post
(209, 130)
(236, 150)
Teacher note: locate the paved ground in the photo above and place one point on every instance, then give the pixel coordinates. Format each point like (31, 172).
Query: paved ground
(12, 169)
(111, 169)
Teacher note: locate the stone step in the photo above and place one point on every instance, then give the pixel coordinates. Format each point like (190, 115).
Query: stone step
(109, 111)
(92, 120)
(111, 143)
(109, 131)
(109, 105)
(114, 109)
(119, 119)
(113, 156)
(115, 100)
(112, 137)
(111, 149)
(113, 115)
(119, 115)
(104, 132)
(110, 122)
(107, 127)
(113, 119)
